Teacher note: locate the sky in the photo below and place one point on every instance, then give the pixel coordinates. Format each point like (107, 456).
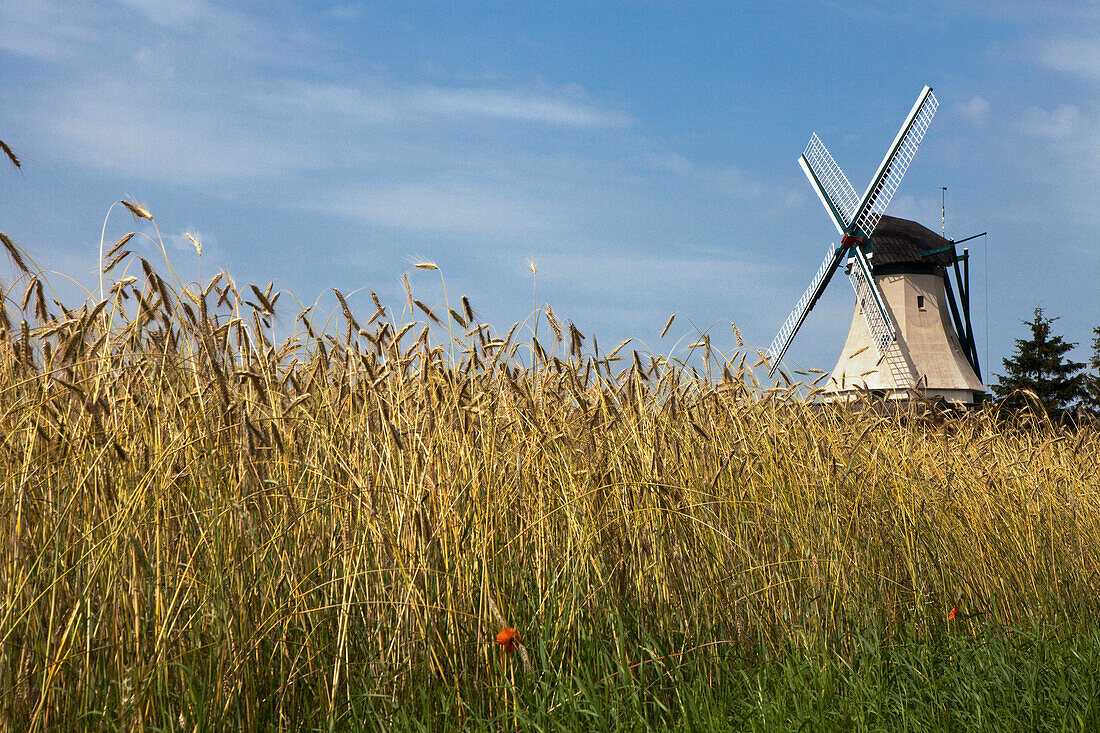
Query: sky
(643, 156)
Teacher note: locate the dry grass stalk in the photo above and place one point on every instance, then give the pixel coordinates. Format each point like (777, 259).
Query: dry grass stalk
(122, 242)
(195, 241)
(552, 319)
(14, 252)
(668, 325)
(138, 210)
(6, 149)
(114, 261)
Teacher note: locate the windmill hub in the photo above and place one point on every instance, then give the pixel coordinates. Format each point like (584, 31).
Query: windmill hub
(901, 337)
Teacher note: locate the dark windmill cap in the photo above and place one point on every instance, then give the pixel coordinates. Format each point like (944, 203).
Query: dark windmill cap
(898, 244)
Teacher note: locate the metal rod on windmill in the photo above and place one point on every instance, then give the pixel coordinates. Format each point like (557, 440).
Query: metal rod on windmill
(943, 211)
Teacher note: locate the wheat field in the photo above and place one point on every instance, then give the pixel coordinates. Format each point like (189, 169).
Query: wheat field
(208, 526)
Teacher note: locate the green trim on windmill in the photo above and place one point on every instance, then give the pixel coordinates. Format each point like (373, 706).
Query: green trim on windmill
(941, 250)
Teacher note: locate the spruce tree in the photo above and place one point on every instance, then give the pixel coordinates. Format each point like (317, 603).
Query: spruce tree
(1040, 366)
(1092, 383)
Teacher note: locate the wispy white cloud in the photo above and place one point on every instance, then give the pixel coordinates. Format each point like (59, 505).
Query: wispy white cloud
(177, 12)
(30, 29)
(514, 105)
(1063, 154)
(202, 38)
(1056, 135)
(383, 100)
(615, 274)
(974, 110)
(325, 100)
(130, 134)
(1062, 123)
(343, 12)
(1072, 54)
(465, 209)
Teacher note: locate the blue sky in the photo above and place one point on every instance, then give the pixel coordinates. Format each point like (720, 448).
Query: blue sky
(642, 155)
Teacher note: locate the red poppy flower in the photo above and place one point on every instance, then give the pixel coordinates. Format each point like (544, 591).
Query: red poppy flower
(954, 612)
(508, 638)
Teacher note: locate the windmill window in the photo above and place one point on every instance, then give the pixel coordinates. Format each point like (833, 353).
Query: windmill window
(920, 302)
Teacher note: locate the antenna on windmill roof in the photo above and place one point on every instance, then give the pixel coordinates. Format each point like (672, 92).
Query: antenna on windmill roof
(943, 211)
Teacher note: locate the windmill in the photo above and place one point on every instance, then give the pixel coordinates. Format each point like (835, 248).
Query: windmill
(900, 338)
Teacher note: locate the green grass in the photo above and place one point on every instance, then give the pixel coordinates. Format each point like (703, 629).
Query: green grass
(1000, 679)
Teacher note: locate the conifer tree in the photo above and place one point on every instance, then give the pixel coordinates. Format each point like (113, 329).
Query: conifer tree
(1041, 367)
(1092, 383)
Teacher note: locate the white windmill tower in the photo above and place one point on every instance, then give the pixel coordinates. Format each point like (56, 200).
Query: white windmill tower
(901, 337)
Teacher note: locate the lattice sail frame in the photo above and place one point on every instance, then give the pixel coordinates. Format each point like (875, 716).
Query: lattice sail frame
(790, 327)
(871, 302)
(896, 162)
(832, 186)
(856, 219)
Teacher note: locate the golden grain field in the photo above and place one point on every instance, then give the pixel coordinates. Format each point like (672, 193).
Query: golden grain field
(201, 516)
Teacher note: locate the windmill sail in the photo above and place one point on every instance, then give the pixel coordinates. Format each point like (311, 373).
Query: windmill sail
(855, 218)
(896, 162)
(805, 304)
(832, 186)
(871, 302)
